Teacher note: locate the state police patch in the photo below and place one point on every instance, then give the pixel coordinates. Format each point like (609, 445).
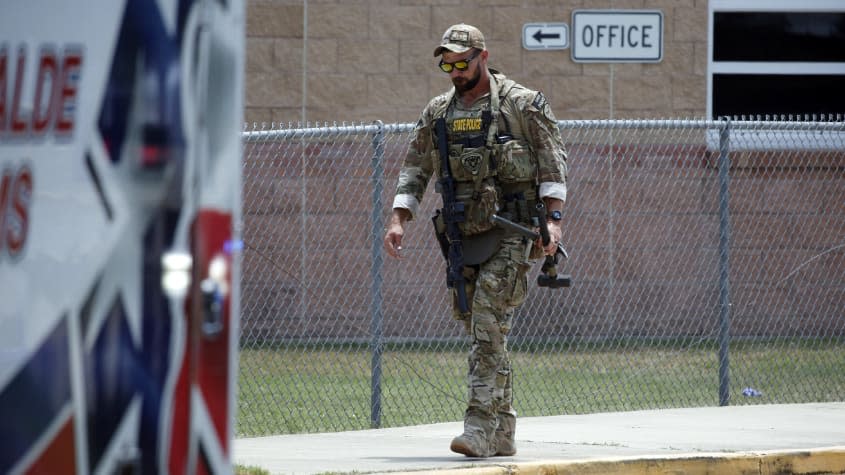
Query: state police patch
(471, 162)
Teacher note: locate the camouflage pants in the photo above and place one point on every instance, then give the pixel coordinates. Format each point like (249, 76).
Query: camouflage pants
(495, 289)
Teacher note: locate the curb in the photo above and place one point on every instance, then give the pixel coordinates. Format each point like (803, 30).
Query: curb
(824, 460)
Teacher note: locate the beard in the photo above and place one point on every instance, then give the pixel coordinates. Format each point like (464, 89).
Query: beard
(463, 85)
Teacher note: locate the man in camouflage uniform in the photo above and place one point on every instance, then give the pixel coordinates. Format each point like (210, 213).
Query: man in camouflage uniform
(505, 154)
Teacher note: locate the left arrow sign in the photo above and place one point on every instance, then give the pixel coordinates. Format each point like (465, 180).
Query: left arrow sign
(545, 36)
(540, 36)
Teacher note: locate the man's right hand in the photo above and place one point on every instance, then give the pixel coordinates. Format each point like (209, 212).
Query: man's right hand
(393, 240)
(395, 231)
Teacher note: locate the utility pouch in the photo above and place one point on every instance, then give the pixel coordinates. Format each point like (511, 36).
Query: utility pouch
(479, 209)
(514, 162)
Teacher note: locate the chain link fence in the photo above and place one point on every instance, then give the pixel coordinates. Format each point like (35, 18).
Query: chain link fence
(707, 262)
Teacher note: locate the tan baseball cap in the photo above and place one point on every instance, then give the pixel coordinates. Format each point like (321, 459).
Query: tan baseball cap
(460, 38)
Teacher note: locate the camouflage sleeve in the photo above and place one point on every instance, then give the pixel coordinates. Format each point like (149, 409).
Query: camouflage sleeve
(545, 140)
(417, 167)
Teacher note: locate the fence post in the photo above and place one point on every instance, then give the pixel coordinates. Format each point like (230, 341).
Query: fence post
(724, 263)
(375, 272)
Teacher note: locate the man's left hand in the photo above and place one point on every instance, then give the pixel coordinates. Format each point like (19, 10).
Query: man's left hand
(555, 234)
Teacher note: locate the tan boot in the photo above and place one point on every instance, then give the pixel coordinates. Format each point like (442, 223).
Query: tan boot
(479, 437)
(505, 444)
(470, 445)
(505, 447)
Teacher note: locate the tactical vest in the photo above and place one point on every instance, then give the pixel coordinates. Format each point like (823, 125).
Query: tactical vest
(493, 165)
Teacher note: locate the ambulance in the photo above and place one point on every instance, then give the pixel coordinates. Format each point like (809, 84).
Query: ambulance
(120, 158)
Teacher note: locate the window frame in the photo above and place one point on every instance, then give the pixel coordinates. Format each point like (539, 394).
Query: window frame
(766, 67)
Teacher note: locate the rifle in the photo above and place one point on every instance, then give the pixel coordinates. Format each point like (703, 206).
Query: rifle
(549, 276)
(451, 213)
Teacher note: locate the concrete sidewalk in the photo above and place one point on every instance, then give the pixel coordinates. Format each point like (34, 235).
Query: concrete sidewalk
(736, 439)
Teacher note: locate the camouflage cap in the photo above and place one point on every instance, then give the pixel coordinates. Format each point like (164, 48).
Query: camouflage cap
(460, 38)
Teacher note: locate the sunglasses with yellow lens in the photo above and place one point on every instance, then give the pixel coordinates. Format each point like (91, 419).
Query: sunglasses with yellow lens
(460, 65)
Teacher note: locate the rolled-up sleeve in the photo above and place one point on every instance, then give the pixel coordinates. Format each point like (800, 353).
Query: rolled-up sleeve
(553, 190)
(408, 202)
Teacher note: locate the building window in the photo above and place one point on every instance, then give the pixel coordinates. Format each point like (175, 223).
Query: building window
(776, 58)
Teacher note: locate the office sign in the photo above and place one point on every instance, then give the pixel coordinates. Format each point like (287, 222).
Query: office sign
(545, 36)
(617, 36)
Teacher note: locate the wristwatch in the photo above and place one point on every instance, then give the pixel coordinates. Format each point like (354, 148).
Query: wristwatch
(555, 215)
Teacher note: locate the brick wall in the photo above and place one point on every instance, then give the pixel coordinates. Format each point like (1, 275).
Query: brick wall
(372, 59)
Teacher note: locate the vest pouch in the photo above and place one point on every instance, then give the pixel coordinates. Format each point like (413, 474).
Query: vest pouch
(467, 163)
(479, 209)
(514, 162)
